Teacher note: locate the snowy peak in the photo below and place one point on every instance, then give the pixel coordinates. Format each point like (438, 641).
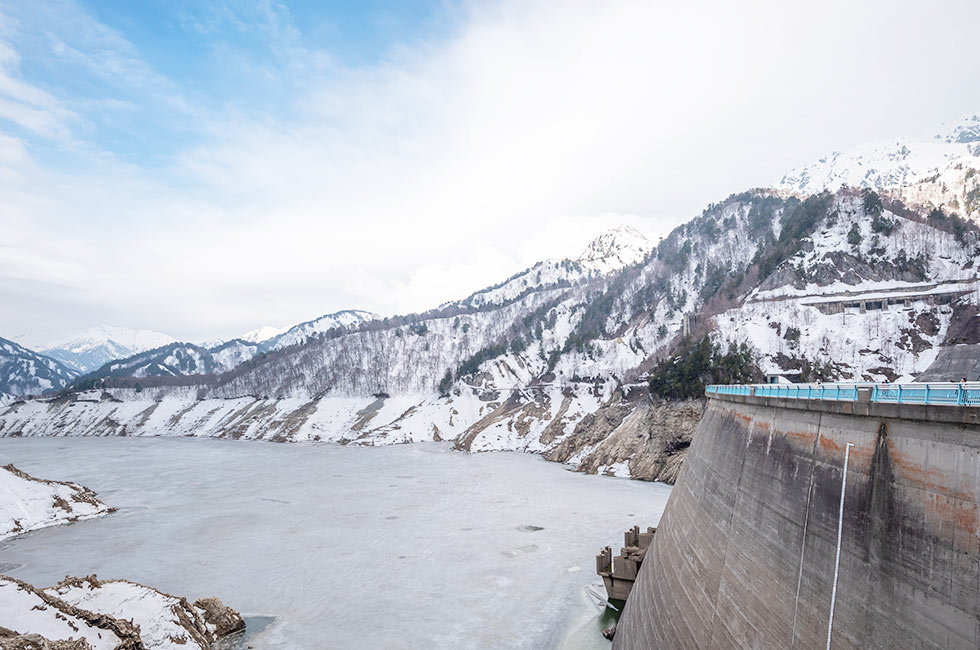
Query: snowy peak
(138, 340)
(347, 318)
(611, 251)
(938, 171)
(91, 348)
(961, 131)
(615, 249)
(262, 334)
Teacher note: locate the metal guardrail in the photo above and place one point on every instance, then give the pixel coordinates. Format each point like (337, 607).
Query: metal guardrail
(961, 394)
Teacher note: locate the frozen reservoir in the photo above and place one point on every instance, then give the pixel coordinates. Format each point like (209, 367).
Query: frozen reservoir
(408, 546)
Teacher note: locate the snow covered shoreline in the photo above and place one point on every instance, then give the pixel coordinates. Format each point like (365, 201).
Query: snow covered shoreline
(109, 615)
(86, 613)
(594, 428)
(28, 503)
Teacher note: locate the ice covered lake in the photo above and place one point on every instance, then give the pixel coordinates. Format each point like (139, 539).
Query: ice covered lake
(408, 546)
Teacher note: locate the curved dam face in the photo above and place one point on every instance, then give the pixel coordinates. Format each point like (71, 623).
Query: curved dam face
(744, 555)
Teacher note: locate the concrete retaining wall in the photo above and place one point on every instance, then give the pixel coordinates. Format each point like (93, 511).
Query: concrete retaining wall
(744, 555)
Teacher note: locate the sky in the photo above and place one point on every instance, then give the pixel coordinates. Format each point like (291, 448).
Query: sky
(204, 168)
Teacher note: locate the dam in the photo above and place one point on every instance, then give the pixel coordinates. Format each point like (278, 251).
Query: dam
(746, 553)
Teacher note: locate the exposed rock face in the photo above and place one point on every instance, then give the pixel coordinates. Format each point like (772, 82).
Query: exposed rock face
(11, 641)
(650, 438)
(224, 619)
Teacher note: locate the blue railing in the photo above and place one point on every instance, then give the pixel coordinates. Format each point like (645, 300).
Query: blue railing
(962, 394)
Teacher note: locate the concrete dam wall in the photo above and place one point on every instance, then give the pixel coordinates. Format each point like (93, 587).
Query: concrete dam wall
(744, 555)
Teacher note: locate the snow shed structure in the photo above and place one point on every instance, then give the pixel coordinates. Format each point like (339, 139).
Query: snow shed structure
(744, 556)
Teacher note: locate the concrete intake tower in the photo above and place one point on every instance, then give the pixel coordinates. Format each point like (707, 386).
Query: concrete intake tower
(744, 556)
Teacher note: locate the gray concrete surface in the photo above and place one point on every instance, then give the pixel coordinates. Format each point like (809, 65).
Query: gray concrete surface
(744, 555)
(954, 362)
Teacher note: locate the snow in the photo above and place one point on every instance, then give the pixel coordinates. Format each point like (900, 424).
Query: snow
(615, 249)
(262, 334)
(347, 318)
(27, 613)
(27, 503)
(857, 343)
(928, 170)
(514, 420)
(154, 612)
(898, 291)
(93, 337)
(621, 469)
(90, 349)
(611, 251)
(25, 372)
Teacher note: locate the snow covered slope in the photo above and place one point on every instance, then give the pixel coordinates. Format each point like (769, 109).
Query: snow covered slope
(24, 372)
(345, 319)
(26, 610)
(110, 615)
(941, 170)
(176, 360)
(867, 297)
(616, 249)
(569, 423)
(27, 503)
(90, 349)
(262, 334)
(165, 622)
(611, 251)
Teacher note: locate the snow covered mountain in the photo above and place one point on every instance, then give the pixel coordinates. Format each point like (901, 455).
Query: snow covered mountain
(938, 171)
(90, 349)
(344, 319)
(262, 334)
(174, 360)
(616, 249)
(610, 252)
(25, 372)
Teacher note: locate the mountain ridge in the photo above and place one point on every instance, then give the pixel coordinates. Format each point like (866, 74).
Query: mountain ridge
(941, 171)
(91, 348)
(24, 372)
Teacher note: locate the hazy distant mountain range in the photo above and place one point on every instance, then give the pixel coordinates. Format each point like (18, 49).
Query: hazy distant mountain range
(90, 349)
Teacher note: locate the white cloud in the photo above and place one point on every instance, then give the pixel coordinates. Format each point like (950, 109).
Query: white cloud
(452, 164)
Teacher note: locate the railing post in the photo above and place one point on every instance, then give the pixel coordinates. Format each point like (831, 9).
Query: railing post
(927, 393)
(899, 393)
